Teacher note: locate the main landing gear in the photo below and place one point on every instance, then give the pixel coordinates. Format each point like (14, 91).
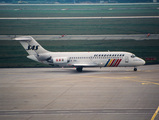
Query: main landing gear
(79, 69)
(135, 69)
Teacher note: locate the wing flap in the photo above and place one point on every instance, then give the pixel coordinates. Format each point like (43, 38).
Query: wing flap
(84, 65)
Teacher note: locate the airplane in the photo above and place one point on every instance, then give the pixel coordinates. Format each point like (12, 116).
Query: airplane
(78, 59)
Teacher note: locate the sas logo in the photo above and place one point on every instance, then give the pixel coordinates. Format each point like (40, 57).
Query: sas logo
(32, 47)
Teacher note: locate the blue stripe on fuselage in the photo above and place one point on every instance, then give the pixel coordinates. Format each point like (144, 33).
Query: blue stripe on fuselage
(107, 63)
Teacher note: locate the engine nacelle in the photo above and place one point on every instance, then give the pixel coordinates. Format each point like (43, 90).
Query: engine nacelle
(43, 57)
(60, 60)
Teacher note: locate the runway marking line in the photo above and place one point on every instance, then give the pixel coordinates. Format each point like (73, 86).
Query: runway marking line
(154, 115)
(64, 18)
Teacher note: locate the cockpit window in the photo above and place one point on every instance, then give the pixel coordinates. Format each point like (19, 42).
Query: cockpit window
(133, 56)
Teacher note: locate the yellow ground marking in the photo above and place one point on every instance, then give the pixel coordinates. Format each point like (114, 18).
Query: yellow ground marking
(154, 115)
(129, 78)
(146, 82)
(89, 76)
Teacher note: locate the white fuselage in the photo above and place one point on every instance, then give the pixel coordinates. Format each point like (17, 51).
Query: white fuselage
(93, 59)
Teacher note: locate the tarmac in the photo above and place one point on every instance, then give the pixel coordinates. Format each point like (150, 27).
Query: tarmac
(116, 93)
(87, 37)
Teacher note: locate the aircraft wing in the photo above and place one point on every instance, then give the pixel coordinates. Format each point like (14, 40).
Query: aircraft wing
(84, 65)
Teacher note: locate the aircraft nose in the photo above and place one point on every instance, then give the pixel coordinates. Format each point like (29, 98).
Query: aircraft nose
(143, 62)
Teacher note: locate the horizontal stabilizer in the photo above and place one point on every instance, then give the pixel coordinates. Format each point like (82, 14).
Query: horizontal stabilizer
(24, 38)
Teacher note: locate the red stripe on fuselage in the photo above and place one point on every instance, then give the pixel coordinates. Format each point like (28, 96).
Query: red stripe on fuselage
(112, 63)
(118, 63)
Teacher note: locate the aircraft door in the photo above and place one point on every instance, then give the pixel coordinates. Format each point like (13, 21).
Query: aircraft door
(126, 59)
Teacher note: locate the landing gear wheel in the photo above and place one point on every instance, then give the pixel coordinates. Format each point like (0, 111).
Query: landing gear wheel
(79, 69)
(135, 69)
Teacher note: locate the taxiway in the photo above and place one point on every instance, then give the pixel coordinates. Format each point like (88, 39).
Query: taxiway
(74, 18)
(87, 37)
(64, 94)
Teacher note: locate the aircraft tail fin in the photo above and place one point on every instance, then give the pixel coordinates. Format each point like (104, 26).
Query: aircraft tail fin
(31, 46)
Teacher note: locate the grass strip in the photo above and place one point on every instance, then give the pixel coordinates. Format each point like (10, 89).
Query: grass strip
(79, 27)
